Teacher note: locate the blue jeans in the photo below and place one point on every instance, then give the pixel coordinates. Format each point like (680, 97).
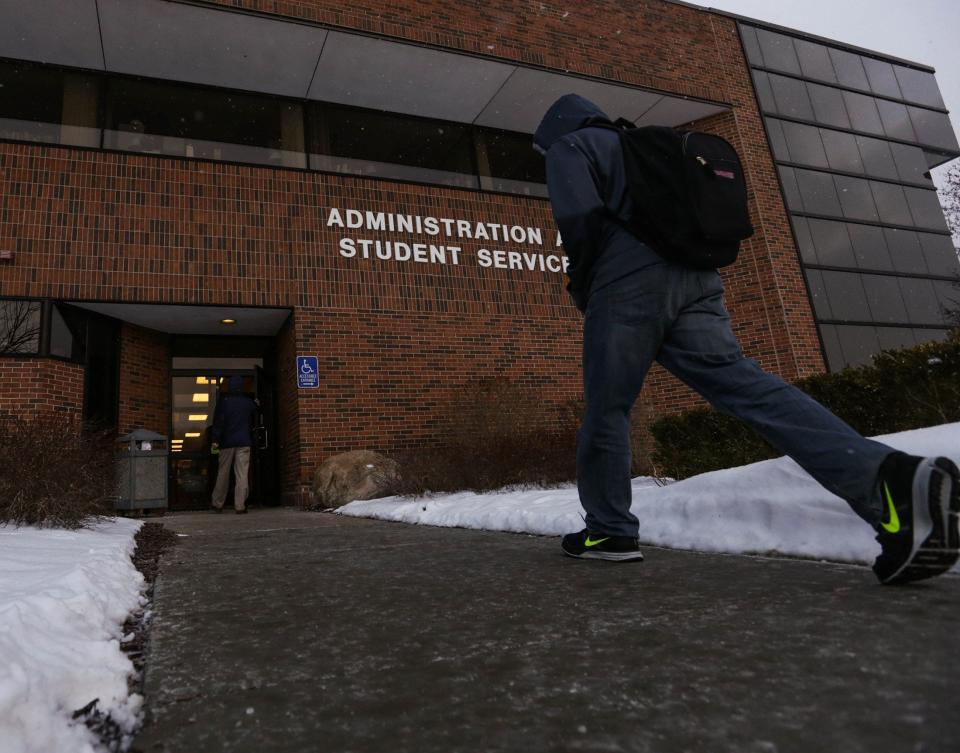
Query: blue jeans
(675, 315)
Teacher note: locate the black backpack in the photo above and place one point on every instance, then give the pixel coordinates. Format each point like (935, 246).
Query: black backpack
(688, 192)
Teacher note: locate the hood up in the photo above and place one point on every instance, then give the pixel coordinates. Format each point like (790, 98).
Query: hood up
(235, 384)
(568, 114)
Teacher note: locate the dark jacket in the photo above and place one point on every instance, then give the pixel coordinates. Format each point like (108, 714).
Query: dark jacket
(234, 417)
(588, 192)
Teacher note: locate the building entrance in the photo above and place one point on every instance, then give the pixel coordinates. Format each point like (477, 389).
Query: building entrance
(197, 385)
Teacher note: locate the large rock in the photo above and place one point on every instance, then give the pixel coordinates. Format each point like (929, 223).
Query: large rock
(360, 474)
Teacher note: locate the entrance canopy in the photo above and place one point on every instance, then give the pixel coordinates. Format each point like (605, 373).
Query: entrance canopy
(195, 320)
(218, 47)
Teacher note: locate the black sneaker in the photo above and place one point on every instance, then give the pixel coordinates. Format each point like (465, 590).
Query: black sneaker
(918, 529)
(599, 546)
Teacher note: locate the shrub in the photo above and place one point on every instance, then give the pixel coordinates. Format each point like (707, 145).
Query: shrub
(53, 473)
(901, 390)
(499, 434)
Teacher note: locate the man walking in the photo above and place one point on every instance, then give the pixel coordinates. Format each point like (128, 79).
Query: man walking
(233, 422)
(640, 308)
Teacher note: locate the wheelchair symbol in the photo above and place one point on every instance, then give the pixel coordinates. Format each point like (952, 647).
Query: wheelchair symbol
(306, 368)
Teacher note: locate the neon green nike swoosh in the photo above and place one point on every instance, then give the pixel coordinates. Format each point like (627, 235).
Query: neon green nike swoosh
(594, 542)
(894, 525)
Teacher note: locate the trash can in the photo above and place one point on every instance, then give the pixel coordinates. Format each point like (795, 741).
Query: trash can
(142, 471)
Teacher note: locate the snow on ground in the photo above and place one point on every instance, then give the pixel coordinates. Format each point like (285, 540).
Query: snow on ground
(766, 507)
(64, 596)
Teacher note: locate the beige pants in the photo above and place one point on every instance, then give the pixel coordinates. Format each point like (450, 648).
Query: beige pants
(239, 458)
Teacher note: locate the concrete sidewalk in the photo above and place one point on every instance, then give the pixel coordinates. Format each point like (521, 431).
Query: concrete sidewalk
(289, 631)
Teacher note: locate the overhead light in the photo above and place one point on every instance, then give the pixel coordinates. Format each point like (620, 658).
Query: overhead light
(197, 417)
(202, 380)
(201, 397)
(192, 434)
(228, 321)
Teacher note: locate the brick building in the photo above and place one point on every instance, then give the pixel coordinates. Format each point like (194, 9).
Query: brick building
(195, 189)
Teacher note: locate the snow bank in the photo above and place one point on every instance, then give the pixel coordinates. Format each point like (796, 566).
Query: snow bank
(64, 596)
(772, 506)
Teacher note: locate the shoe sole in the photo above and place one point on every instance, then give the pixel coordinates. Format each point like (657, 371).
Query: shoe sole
(936, 533)
(609, 556)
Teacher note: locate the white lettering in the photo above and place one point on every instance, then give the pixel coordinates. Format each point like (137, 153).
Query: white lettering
(376, 221)
(553, 263)
(334, 218)
(404, 223)
(348, 249)
(463, 229)
(534, 236)
(483, 258)
(431, 226)
(559, 240)
(518, 234)
(354, 218)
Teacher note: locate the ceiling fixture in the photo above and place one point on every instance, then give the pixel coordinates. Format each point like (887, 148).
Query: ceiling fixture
(228, 321)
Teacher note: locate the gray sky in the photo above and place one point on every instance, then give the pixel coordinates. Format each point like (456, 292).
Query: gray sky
(923, 31)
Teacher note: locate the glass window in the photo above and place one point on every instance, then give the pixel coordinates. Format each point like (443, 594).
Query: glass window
(48, 105)
(831, 344)
(885, 299)
(896, 120)
(921, 301)
(832, 243)
(877, 160)
(791, 193)
(863, 113)
(882, 79)
(67, 330)
(933, 128)
(818, 294)
(870, 247)
(828, 106)
(905, 251)
(751, 44)
(814, 60)
(791, 97)
(818, 193)
(804, 144)
(859, 344)
(801, 229)
(948, 296)
(856, 198)
(508, 162)
(930, 335)
(778, 142)
(20, 323)
(842, 152)
(925, 208)
(940, 255)
(849, 68)
(365, 142)
(761, 81)
(896, 338)
(847, 298)
(161, 118)
(910, 162)
(778, 52)
(891, 203)
(919, 86)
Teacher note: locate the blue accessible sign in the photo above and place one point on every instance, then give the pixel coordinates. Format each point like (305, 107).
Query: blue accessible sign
(307, 372)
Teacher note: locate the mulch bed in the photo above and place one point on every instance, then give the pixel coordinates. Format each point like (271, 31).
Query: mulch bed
(152, 541)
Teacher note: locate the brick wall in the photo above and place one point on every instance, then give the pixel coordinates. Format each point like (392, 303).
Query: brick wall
(144, 380)
(393, 337)
(29, 386)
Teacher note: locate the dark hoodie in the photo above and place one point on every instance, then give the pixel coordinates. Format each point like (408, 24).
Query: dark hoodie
(588, 190)
(234, 416)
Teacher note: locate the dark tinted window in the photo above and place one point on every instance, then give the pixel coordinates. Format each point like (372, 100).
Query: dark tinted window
(778, 52)
(761, 81)
(877, 160)
(849, 69)
(896, 120)
(847, 298)
(375, 143)
(863, 113)
(804, 144)
(801, 229)
(925, 208)
(46, 104)
(828, 106)
(921, 301)
(948, 296)
(832, 243)
(940, 255)
(791, 97)
(788, 176)
(885, 299)
(891, 203)
(933, 128)
(814, 60)
(818, 294)
(842, 152)
(146, 116)
(905, 251)
(67, 332)
(508, 161)
(910, 162)
(818, 193)
(856, 198)
(882, 79)
(870, 247)
(20, 323)
(858, 344)
(895, 338)
(751, 44)
(919, 86)
(778, 142)
(831, 344)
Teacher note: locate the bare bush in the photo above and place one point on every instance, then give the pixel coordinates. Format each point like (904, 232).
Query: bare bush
(53, 472)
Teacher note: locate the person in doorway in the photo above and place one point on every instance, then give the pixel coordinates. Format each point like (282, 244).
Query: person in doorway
(640, 308)
(234, 419)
